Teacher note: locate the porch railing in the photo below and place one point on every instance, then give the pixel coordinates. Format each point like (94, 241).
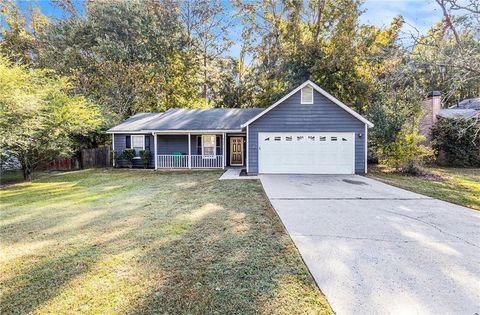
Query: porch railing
(197, 161)
(172, 161)
(200, 161)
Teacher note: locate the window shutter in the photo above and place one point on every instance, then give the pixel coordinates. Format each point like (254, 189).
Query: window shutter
(217, 145)
(199, 145)
(147, 143)
(128, 143)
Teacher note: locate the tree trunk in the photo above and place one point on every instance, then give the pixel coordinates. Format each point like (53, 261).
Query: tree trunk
(27, 173)
(205, 84)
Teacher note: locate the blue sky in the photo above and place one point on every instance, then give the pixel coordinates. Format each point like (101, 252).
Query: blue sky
(419, 15)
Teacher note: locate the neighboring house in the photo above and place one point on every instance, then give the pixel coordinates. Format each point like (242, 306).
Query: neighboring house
(432, 111)
(8, 162)
(306, 132)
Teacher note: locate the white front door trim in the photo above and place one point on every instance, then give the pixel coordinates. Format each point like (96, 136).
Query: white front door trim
(231, 149)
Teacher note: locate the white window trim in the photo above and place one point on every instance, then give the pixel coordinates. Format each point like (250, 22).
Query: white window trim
(301, 94)
(214, 147)
(143, 144)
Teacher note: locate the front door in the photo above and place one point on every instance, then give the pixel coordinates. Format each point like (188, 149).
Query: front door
(236, 151)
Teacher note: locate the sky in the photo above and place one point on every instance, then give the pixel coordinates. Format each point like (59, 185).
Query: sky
(420, 15)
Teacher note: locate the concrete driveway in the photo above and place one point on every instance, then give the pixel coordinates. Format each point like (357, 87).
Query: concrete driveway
(376, 249)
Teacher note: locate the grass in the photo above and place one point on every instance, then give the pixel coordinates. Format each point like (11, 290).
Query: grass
(16, 176)
(10, 177)
(457, 185)
(140, 242)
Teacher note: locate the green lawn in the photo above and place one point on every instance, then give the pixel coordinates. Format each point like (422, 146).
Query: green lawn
(456, 185)
(119, 241)
(10, 177)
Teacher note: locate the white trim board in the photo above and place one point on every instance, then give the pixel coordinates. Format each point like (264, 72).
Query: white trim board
(174, 131)
(301, 95)
(143, 144)
(319, 90)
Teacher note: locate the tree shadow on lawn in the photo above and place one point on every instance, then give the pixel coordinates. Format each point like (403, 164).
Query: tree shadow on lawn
(36, 284)
(195, 245)
(232, 259)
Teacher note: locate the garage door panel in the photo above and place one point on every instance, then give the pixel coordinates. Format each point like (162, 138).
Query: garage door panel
(306, 153)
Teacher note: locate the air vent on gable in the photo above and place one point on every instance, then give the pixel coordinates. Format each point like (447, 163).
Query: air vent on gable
(307, 95)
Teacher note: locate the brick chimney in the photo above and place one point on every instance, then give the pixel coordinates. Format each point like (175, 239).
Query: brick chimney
(430, 109)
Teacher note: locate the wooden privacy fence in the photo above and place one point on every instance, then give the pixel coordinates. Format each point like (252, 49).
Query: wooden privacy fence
(89, 158)
(98, 157)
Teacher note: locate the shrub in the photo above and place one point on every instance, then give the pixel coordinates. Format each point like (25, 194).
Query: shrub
(146, 157)
(129, 155)
(406, 154)
(458, 139)
(117, 157)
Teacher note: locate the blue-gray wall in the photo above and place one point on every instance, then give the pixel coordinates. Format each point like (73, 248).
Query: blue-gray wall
(120, 145)
(166, 144)
(321, 116)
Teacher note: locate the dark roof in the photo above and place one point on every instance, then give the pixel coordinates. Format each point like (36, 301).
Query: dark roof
(470, 103)
(458, 113)
(177, 119)
(136, 122)
(467, 108)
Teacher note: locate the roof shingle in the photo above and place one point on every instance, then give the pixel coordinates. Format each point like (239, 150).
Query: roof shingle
(177, 119)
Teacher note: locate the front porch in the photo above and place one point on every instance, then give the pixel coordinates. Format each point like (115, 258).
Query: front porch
(198, 150)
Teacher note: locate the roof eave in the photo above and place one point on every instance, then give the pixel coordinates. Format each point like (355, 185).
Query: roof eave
(174, 131)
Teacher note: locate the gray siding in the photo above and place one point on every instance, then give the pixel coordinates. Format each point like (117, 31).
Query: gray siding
(120, 144)
(167, 144)
(321, 116)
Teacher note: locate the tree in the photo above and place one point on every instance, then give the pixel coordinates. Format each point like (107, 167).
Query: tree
(127, 55)
(206, 24)
(18, 32)
(458, 139)
(448, 56)
(293, 41)
(40, 116)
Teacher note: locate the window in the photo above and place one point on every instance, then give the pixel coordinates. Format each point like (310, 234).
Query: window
(208, 145)
(267, 139)
(288, 138)
(343, 139)
(322, 138)
(307, 95)
(299, 138)
(138, 144)
(333, 138)
(311, 138)
(277, 138)
(218, 145)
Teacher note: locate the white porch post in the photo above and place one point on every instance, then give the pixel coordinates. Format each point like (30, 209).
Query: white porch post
(224, 141)
(189, 151)
(155, 149)
(248, 150)
(113, 149)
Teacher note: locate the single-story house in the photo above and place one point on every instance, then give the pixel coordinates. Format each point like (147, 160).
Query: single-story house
(432, 111)
(308, 131)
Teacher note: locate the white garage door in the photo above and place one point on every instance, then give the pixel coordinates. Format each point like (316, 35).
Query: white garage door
(306, 152)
